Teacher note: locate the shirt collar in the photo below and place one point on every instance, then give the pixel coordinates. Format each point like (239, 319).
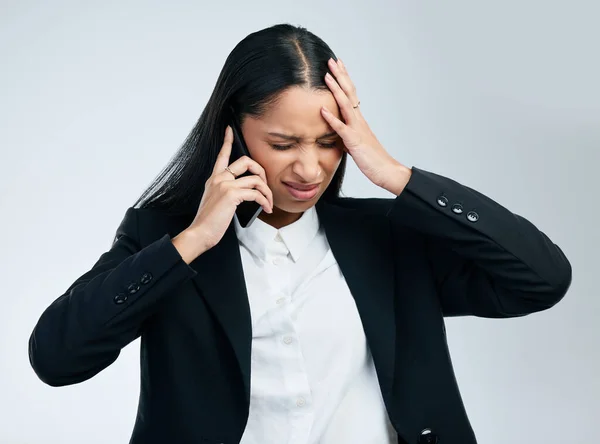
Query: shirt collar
(296, 236)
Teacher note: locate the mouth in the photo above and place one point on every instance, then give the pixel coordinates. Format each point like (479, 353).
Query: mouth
(302, 192)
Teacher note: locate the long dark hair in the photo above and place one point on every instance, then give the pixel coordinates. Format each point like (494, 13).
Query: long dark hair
(256, 72)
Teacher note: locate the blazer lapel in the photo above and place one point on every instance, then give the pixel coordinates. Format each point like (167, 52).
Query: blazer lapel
(362, 247)
(220, 280)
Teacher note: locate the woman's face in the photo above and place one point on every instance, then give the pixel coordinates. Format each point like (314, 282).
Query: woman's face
(298, 149)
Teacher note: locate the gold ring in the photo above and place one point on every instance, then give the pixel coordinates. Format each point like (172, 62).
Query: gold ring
(229, 169)
(356, 105)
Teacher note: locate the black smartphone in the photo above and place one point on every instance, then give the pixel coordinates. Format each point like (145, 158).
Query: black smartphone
(247, 211)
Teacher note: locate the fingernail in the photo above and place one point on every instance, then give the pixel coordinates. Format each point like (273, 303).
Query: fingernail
(328, 76)
(325, 110)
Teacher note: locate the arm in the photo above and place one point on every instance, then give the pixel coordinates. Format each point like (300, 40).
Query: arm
(83, 331)
(486, 260)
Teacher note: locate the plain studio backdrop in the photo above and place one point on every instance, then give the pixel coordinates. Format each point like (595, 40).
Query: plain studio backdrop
(95, 97)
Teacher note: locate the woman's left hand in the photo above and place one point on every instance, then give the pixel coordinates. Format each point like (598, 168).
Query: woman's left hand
(360, 142)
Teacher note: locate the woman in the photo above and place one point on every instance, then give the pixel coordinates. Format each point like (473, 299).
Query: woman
(322, 321)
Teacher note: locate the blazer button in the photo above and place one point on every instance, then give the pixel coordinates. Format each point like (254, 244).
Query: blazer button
(428, 437)
(120, 298)
(146, 277)
(442, 201)
(472, 216)
(457, 209)
(133, 288)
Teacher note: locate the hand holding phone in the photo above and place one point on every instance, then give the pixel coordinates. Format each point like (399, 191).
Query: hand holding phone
(246, 211)
(224, 194)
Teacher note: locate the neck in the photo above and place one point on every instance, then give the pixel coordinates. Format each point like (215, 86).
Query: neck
(279, 218)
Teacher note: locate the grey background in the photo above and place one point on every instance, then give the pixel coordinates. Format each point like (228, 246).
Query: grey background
(95, 97)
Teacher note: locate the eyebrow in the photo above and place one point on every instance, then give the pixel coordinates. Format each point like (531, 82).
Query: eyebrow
(297, 138)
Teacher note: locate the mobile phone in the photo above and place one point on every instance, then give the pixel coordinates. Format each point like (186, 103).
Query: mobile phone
(247, 211)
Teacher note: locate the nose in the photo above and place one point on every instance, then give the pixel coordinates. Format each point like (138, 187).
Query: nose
(307, 166)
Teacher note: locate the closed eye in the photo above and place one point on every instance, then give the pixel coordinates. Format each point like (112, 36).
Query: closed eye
(286, 147)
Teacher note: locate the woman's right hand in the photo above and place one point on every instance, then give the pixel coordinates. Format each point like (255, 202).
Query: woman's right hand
(223, 193)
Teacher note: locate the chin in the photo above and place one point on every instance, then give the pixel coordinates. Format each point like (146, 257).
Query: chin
(296, 206)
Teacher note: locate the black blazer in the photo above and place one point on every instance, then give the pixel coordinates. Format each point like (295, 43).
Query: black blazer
(439, 249)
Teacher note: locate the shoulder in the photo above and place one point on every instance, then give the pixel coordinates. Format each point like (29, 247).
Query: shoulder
(373, 213)
(366, 216)
(368, 206)
(149, 224)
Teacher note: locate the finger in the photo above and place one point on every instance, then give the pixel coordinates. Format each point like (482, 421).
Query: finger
(256, 196)
(341, 99)
(245, 163)
(256, 182)
(350, 90)
(338, 126)
(225, 152)
(343, 79)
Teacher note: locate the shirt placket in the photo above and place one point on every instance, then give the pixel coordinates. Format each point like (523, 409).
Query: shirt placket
(293, 370)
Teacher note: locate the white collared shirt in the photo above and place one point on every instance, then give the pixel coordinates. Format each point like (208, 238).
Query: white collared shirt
(312, 375)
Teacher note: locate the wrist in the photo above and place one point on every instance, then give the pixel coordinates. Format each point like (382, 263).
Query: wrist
(398, 178)
(190, 244)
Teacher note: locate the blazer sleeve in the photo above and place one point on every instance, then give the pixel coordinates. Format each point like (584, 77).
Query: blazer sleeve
(83, 331)
(486, 260)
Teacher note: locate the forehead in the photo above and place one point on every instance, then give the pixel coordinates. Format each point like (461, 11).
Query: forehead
(298, 109)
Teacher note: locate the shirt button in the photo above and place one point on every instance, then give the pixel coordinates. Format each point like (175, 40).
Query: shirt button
(280, 301)
(278, 238)
(277, 261)
(287, 340)
(300, 402)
